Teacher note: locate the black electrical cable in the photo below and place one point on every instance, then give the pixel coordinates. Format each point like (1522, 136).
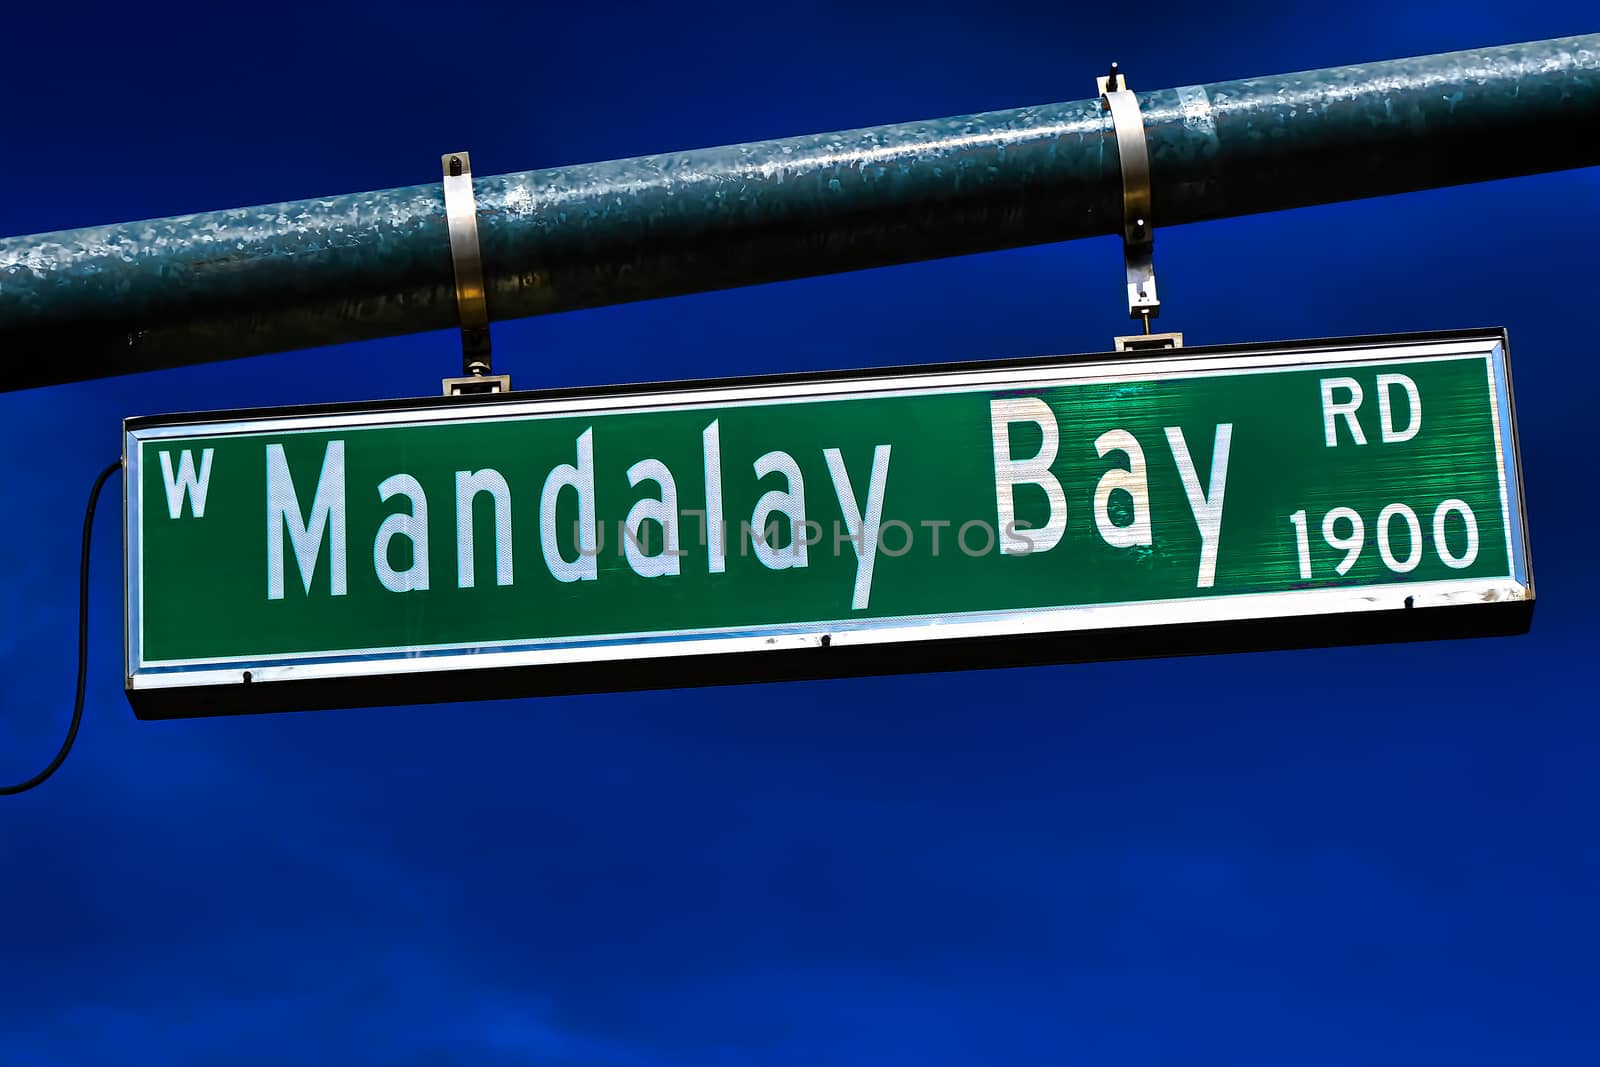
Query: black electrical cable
(83, 641)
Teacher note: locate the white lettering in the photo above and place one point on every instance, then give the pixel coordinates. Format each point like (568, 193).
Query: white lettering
(327, 514)
(663, 510)
(1205, 504)
(1332, 409)
(1009, 472)
(186, 483)
(863, 530)
(581, 480)
(1386, 550)
(714, 533)
(1470, 553)
(468, 486)
(1132, 481)
(1391, 436)
(790, 502)
(413, 527)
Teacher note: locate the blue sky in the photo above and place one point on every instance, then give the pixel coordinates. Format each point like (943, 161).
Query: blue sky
(1372, 854)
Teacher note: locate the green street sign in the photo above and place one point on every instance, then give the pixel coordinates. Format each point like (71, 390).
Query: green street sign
(1021, 511)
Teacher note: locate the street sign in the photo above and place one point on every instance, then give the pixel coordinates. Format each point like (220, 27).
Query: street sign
(993, 513)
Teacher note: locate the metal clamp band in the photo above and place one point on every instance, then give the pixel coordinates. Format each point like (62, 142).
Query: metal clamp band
(1138, 228)
(461, 216)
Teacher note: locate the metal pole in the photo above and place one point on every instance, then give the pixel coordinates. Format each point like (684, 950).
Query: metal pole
(139, 296)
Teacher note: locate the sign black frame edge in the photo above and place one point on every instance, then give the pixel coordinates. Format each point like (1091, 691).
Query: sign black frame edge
(690, 671)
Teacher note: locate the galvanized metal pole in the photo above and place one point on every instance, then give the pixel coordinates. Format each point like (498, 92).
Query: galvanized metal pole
(145, 295)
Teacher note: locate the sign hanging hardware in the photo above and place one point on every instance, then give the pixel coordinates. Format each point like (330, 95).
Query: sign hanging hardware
(1138, 227)
(461, 217)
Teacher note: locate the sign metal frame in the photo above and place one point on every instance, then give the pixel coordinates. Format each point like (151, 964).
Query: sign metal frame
(843, 647)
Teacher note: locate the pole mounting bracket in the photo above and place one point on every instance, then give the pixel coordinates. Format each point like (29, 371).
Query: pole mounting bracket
(1138, 226)
(461, 219)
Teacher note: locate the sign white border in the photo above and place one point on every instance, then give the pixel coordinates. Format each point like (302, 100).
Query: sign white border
(356, 663)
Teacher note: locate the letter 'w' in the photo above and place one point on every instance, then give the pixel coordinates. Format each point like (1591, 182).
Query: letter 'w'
(185, 483)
